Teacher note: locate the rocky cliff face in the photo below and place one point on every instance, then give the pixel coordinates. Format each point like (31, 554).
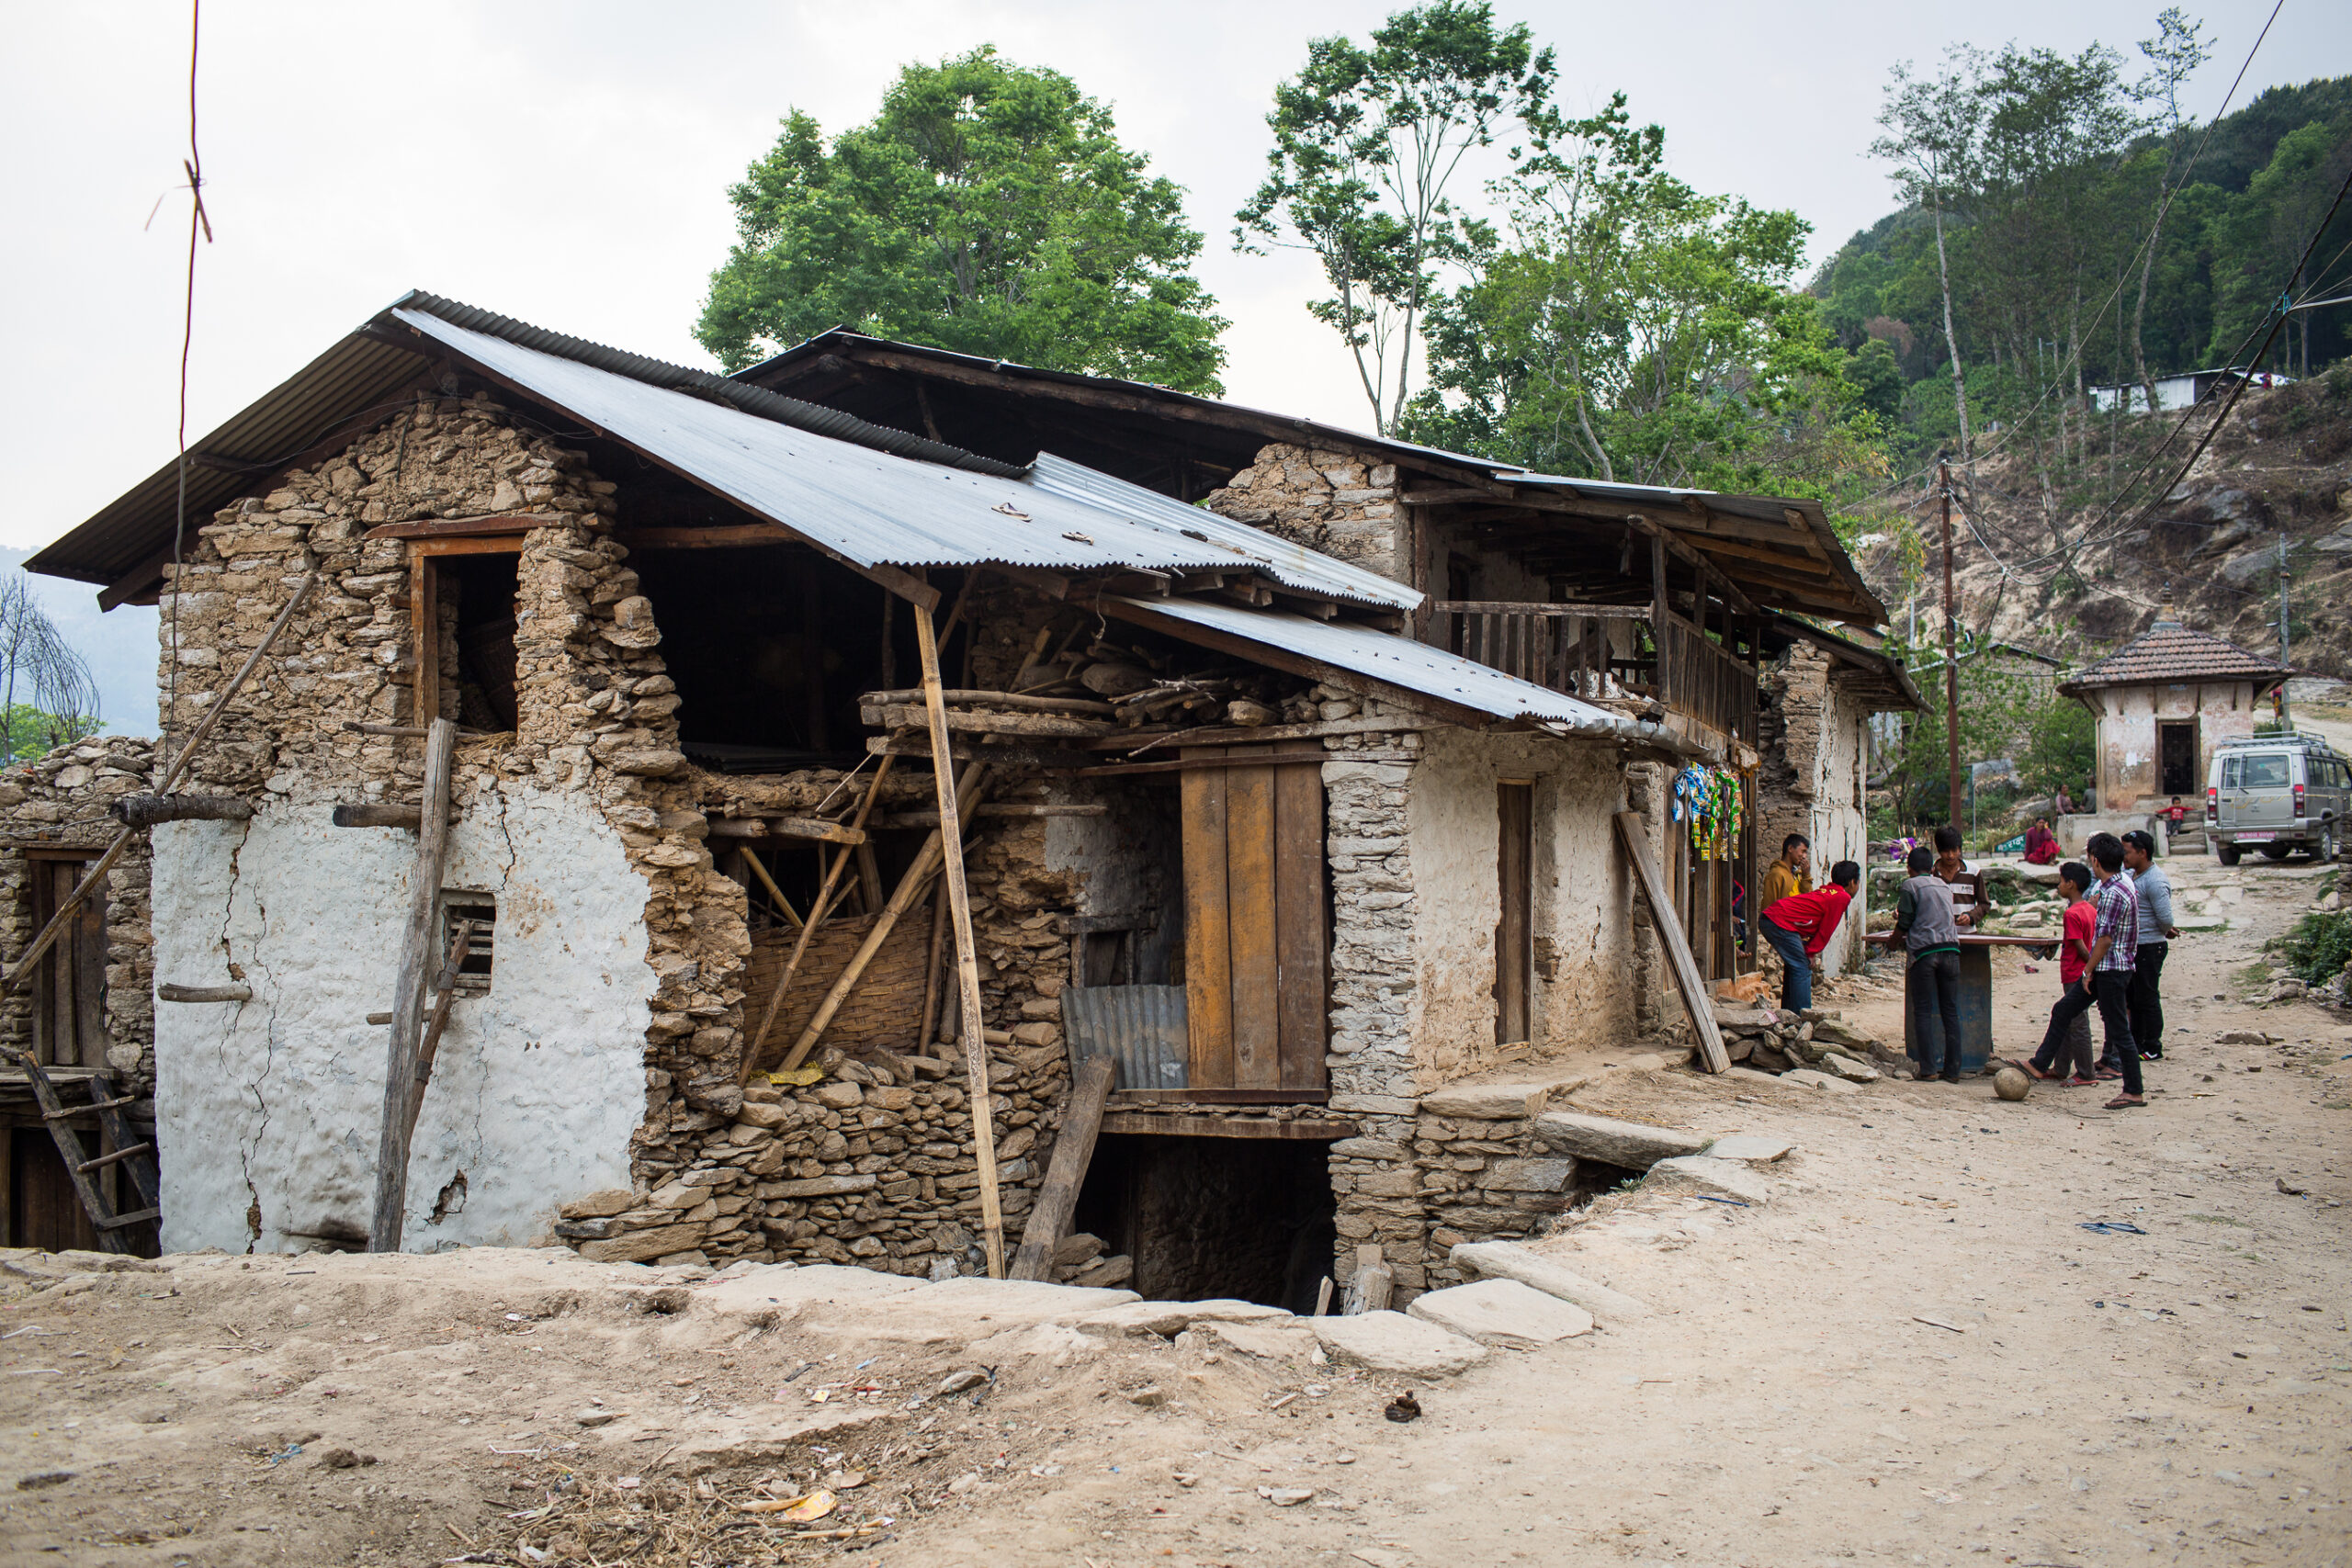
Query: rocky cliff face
(2066, 569)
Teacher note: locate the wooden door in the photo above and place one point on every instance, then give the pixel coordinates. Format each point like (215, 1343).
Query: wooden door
(1515, 922)
(69, 1000)
(1256, 948)
(43, 1210)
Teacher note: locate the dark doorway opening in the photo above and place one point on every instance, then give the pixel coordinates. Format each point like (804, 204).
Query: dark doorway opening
(44, 1209)
(1203, 1218)
(479, 589)
(2176, 760)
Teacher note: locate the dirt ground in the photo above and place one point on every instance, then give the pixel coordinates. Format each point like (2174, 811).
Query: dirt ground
(1913, 1353)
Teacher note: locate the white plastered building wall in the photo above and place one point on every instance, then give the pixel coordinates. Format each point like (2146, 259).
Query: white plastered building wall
(2128, 718)
(269, 1111)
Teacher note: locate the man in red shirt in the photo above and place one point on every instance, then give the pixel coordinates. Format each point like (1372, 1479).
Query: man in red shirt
(1801, 925)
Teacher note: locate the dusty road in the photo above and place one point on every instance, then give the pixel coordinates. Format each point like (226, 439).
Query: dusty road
(1915, 1353)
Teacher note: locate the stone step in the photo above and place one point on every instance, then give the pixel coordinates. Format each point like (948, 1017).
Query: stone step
(1717, 1178)
(1502, 1313)
(1508, 1261)
(1392, 1342)
(1607, 1141)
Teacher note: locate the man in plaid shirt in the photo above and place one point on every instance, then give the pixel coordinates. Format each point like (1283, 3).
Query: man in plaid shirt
(2106, 980)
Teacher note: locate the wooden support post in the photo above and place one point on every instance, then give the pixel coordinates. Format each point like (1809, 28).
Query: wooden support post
(931, 972)
(1661, 610)
(1089, 1090)
(172, 775)
(817, 911)
(912, 888)
(1373, 1287)
(1633, 831)
(404, 1043)
(968, 957)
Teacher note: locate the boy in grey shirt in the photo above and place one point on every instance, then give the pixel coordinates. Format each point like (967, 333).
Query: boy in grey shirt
(1930, 932)
(2156, 932)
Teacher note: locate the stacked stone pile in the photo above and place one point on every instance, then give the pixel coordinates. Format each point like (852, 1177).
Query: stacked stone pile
(872, 1164)
(1326, 500)
(1775, 1042)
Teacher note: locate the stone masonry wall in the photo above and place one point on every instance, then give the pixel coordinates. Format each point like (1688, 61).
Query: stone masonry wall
(60, 799)
(1332, 501)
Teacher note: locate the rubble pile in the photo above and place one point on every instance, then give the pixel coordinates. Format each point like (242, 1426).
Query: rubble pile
(1775, 1042)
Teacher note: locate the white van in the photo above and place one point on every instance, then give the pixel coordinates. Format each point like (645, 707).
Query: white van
(2277, 794)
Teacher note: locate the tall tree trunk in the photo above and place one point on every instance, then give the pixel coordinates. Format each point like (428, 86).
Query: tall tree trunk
(1958, 377)
(2140, 316)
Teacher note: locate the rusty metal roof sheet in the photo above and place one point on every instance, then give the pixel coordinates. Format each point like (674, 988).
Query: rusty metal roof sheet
(2169, 652)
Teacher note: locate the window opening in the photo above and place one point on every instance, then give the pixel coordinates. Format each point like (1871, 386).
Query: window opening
(1515, 927)
(473, 974)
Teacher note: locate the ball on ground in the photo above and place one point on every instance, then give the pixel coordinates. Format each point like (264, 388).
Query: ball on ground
(2011, 1084)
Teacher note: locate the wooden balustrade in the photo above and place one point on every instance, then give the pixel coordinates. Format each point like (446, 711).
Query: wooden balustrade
(1566, 648)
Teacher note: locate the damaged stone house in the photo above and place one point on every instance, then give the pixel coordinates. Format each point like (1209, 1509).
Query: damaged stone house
(1289, 763)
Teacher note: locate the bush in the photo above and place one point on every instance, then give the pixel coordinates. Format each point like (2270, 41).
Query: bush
(2316, 950)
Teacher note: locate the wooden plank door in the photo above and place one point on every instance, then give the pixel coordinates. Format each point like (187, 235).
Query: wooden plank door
(69, 990)
(1256, 944)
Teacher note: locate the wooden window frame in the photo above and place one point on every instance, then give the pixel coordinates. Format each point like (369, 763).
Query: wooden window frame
(1515, 914)
(425, 608)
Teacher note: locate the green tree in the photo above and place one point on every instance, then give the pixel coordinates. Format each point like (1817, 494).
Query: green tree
(2173, 56)
(2264, 234)
(1367, 145)
(47, 694)
(990, 208)
(1933, 128)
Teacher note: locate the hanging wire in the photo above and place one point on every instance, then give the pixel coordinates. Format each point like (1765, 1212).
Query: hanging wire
(199, 224)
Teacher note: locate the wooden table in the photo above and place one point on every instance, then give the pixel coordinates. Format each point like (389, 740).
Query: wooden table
(1976, 992)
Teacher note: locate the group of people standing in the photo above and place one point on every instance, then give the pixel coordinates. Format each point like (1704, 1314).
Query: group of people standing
(2119, 928)
(2116, 930)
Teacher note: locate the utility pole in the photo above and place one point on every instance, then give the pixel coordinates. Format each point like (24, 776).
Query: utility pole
(1951, 655)
(2283, 715)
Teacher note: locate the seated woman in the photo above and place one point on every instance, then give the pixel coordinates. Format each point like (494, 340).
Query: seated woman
(2040, 843)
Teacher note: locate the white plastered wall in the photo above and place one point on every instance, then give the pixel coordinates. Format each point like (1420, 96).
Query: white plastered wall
(1584, 990)
(1840, 827)
(267, 1111)
(2224, 710)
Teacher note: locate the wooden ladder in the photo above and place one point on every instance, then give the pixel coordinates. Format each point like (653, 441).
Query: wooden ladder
(139, 1158)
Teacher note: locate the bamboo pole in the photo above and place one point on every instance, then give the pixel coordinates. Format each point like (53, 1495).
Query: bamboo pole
(402, 1045)
(817, 911)
(911, 887)
(931, 972)
(968, 958)
(212, 716)
(752, 858)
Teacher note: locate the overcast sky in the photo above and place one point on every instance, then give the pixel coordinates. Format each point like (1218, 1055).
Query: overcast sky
(567, 164)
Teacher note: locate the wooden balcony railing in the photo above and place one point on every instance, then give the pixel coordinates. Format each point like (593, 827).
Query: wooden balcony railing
(1566, 648)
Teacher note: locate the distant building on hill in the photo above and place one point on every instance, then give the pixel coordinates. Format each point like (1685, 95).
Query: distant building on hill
(2186, 390)
(2164, 701)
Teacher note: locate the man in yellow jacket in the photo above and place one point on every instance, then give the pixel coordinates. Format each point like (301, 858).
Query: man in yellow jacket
(1790, 874)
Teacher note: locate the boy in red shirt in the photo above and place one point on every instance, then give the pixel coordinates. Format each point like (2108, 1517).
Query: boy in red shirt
(2074, 954)
(1801, 925)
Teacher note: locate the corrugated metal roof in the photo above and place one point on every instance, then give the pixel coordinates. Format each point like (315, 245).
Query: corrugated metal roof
(876, 508)
(1254, 548)
(1409, 666)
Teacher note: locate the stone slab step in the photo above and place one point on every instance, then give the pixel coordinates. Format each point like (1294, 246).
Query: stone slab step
(1607, 1141)
(1392, 1342)
(1754, 1148)
(1719, 1177)
(1503, 1313)
(1509, 1260)
(1810, 1077)
(1168, 1319)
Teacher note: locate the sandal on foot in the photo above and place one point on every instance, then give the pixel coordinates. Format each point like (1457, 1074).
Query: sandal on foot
(2080, 1083)
(2125, 1103)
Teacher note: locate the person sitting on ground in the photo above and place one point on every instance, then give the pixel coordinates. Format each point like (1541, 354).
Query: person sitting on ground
(1923, 918)
(2106, 980)
(1792, 874)
(2078, 926)
(2040, 843)
(1800, 926)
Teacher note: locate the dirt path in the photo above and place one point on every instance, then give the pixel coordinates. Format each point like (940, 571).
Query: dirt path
(2079, 1397)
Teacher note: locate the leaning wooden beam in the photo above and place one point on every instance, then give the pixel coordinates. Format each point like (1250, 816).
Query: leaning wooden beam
(817, 911)
(146, 810)
(911, 887)
(212, 716)
(1635, 832)
(404, 1041)
(968, 957)
(1090, 1090)
(775, 892)
(930, 971)
(444, 991)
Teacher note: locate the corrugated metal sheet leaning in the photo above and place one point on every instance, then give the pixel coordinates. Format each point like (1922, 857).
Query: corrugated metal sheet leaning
(1412, 666)
(1142, 1029)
